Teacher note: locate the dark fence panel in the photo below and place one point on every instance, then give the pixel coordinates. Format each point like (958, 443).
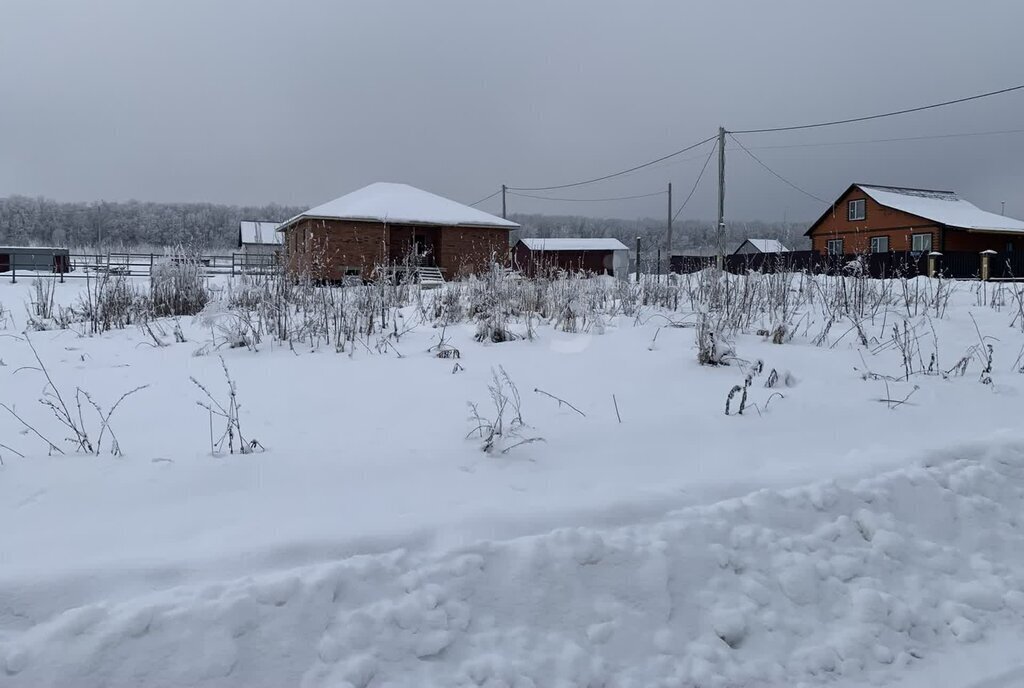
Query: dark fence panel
(960, 264)
(954, 264)
(1008, 265)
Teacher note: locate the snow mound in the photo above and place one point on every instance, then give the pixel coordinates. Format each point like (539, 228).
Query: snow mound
(778, 587)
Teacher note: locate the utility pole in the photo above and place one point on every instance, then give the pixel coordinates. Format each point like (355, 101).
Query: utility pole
(638, 260)
(503, 190)
(668, 237)
(721, 197)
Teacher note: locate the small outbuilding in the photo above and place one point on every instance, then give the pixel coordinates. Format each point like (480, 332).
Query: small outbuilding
(760, 246)
(385, 224)
(259, 238)
(37, 258)
(534, 255)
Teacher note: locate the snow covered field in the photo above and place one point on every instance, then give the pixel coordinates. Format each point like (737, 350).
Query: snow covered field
(859, 519)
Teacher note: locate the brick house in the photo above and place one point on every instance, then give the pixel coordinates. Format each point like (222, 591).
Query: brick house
(386, 224)
(880, 219)
(534, 255)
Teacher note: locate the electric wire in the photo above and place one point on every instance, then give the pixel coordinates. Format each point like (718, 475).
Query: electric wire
(893, 113)
(588, 200)
(613, 174)
(776, 174)
(695, 183)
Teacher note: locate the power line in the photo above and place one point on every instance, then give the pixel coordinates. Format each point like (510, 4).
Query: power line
(587, 200)
(890, 140)
(694, 189)
(776, 174)
(613, 174)
(485, 198)
(881, 115)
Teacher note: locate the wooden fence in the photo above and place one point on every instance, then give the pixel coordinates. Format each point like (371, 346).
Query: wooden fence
(81, 265)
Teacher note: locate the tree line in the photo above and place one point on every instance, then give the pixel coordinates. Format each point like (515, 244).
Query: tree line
(138, 226)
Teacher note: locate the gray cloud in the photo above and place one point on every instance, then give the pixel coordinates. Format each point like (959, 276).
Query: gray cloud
(299, 102)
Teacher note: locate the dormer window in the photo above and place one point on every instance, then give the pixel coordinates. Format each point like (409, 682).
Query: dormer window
(856, 210)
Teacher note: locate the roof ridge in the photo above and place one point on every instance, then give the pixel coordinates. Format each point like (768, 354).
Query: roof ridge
(905, 188)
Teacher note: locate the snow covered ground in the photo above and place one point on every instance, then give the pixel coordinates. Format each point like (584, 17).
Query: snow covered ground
(825, 534)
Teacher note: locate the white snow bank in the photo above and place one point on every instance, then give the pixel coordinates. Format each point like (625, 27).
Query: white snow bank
(778, 587)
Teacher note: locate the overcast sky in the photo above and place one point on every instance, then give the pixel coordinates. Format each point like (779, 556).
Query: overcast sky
(300, 101)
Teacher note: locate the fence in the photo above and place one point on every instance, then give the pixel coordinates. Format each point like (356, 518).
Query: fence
(79, 265)
(952, 264)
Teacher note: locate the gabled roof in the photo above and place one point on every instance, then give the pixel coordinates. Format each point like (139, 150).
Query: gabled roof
(401, 203)
(573, 244)
(766, 245)
(265, 233)
(944, 207)
(940, 207)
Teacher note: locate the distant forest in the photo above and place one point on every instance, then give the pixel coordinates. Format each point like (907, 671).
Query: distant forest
(211, 227)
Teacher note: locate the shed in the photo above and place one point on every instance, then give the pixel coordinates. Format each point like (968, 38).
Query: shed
(37, 258)
(534, 255)
(258, 237)
(761, 246)
(386, 224)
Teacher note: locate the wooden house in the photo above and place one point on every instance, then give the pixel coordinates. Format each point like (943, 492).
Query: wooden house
(879, 219)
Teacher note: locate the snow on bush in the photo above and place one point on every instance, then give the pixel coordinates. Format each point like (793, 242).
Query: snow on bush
(177, 287)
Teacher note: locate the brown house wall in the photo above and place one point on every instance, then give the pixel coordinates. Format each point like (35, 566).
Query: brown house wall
(325, 249)
(468, 250)
(878, 221)
(531, 262)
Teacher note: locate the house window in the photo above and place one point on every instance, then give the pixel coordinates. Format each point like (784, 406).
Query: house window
(921, 242)
(856, 210)
(835, 247)
(880, 244)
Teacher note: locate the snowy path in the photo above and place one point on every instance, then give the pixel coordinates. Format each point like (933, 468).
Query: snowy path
(810, 584)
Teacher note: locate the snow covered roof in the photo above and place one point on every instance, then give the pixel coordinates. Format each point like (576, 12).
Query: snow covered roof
(250, 232)
(766, 245)
(944, 207)
(567, 244)
(401, 203)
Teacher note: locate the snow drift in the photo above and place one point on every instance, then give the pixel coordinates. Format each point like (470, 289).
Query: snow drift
(780, 586)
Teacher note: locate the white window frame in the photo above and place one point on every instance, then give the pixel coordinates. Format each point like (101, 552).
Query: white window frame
(880, 239)
(857, 209)
(914, 242)
(832, 244)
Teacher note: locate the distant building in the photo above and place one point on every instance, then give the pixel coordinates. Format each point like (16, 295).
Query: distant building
(256, 238)
(600, 256)
(38, 258)
(384, 224)
(760, 246)
(880, 219)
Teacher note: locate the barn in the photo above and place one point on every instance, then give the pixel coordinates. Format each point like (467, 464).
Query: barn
(38, 258)
(259, 238)
(755, 246)
(880, 219)
(535, 256)
(361, 233)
